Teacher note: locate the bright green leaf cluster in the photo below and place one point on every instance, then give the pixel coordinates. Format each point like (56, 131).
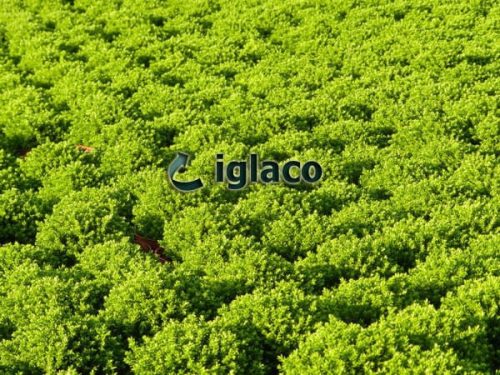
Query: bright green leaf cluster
(390, 264)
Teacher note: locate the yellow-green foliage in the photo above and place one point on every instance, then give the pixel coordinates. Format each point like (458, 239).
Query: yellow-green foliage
(390, 264)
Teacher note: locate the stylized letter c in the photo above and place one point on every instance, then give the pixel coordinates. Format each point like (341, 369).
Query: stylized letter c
(178, 163)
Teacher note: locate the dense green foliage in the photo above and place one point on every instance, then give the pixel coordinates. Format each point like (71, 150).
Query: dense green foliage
(391, 264)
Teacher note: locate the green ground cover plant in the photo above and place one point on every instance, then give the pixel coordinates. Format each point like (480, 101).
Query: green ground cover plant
(389, 265)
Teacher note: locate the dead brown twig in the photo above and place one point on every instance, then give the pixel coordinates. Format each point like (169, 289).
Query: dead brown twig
(85, 148)
(152, 246)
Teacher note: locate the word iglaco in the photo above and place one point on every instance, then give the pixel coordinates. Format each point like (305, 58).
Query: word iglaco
(239, 173)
